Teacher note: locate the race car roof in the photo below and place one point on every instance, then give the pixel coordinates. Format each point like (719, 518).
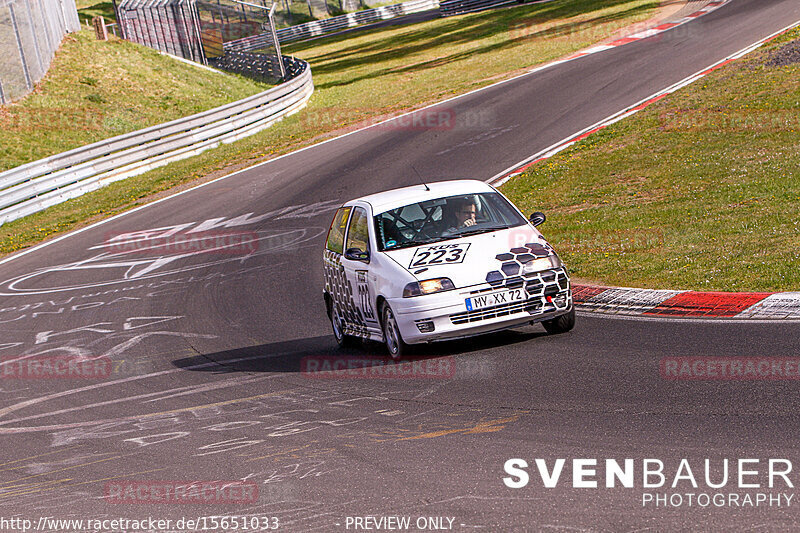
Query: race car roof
(384, 201)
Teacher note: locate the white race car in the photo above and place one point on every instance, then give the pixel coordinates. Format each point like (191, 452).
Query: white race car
(440, 261)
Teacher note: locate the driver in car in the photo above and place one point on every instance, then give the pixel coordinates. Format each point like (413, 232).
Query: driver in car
(461, 214)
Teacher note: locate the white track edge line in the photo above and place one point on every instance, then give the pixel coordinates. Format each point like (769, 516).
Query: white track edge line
(502, 177)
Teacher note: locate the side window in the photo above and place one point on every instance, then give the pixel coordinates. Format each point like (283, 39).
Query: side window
(336, 233)
(358, 234)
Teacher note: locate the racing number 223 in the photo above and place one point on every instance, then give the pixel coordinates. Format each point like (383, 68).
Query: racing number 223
(439, 255)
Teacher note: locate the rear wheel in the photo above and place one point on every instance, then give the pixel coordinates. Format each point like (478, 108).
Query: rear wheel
(560, 324)
(338, 327)
(391, 333)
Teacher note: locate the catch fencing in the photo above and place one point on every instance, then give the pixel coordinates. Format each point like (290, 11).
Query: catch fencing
(321, 27)
(202, 30)
(30, 33)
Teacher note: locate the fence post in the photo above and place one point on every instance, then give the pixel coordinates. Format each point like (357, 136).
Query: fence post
(100, 30)
(275, 41)
(195, 14)
(34, 39)
(28, 81)
(2, 94)
(288, 11)
(119, 21)
(46, 26)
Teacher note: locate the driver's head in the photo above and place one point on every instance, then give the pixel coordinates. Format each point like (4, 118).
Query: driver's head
(464, 211)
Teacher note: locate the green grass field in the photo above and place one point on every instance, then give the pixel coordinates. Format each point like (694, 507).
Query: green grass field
(88, 9)
(356, 76)
(699, 191)
(98, 89)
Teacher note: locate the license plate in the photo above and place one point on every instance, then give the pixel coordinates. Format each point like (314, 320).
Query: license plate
(495, 298)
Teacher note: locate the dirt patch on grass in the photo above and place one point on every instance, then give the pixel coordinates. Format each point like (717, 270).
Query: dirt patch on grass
(786, 55)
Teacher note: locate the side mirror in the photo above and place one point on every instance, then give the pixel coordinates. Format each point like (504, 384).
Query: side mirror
(537, 218)
(356, 254)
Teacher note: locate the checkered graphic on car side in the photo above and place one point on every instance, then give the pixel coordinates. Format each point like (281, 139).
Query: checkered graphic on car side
(341, 292)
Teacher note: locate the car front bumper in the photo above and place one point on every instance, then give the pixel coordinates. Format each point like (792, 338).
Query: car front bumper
(444, 315)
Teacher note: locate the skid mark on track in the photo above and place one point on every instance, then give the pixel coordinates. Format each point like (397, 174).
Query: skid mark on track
(38, 488)
(37, 456)
(489, 426)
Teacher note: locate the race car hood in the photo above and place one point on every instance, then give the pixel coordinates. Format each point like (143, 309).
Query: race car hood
(475, 259)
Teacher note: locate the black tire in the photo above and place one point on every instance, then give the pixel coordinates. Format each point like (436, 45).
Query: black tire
(560, 324)
(395, 345)
(344, 341)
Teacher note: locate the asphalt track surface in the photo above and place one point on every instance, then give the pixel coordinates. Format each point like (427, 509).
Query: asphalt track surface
(207, 349)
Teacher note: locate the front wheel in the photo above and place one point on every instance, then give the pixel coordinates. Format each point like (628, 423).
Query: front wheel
(560, 324)
(391, 333)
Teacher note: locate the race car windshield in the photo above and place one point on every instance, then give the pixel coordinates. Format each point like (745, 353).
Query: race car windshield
(442, 219)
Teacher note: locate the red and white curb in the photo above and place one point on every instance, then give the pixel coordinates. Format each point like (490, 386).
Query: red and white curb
(687, 304)
(522, 166)
(650, 32)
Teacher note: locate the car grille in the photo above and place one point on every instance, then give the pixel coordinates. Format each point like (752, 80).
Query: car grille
(531, 306)
(538, 285)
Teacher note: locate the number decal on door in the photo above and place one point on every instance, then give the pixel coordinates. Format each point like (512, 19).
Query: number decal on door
(363, 295)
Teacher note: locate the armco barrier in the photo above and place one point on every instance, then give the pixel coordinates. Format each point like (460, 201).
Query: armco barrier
(341, 22)
(35, 186)
(460, 7)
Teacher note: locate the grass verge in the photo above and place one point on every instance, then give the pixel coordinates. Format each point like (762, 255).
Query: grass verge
(98, 89)
(88, 9)
(699, 191)
(357, 78)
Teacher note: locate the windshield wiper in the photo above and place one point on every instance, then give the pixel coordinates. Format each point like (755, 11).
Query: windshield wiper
(406, 244)
(475, 231)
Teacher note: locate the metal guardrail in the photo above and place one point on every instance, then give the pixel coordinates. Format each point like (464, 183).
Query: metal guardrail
(38, 185)
(461, 7)
(341, 22)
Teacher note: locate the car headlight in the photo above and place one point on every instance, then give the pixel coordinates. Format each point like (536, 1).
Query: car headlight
(543, 263)
(428, 286)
